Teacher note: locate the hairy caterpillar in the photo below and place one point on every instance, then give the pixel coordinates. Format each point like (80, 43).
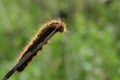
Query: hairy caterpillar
(36, 44)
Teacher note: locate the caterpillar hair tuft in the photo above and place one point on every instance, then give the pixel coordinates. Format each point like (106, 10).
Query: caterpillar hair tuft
(46, 29)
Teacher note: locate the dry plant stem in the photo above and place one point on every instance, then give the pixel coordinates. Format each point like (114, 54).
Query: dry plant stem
(27, 56)
(36, 44)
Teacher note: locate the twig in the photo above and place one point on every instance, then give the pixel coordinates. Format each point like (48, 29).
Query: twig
(55, 28)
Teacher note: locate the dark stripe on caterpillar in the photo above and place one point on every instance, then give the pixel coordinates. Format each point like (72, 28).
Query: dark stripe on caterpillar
(40, 37)
(36, 44)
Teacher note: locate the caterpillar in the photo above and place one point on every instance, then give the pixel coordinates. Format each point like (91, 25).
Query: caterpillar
(41, 38)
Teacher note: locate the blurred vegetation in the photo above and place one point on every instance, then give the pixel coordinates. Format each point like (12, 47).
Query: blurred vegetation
(89, 50)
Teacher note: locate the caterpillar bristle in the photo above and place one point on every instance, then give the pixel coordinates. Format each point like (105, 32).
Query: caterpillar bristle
(46, 29)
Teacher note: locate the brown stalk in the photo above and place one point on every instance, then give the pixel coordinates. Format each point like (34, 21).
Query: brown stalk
(36, 44)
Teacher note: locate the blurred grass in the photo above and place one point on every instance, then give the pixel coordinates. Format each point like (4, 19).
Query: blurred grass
(89, 50)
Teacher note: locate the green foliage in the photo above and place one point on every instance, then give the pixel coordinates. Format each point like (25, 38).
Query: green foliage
(89, 50)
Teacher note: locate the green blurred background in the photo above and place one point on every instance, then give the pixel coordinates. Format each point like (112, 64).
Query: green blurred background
(89, 50)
